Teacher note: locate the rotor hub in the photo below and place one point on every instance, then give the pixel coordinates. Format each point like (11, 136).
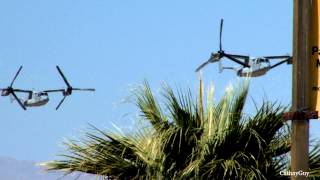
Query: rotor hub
(68, 91)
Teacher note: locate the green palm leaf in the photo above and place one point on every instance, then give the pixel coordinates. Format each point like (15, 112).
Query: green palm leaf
(190, 138)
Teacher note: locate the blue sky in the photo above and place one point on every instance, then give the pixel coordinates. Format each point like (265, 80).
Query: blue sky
(113, 46)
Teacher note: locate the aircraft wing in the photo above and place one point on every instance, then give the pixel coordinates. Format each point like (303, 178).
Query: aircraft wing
(22, 90)
(54, 90)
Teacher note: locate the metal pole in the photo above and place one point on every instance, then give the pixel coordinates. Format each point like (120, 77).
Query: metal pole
(300, 94)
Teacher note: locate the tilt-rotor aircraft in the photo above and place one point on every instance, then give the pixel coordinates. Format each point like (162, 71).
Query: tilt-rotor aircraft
(39, 98)
(250, 67)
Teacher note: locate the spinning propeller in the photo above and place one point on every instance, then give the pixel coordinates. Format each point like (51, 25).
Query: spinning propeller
(220, 54)
(68, 91)
(11, 91)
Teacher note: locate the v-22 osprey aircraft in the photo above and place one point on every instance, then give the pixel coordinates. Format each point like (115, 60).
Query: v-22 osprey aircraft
(39, 98)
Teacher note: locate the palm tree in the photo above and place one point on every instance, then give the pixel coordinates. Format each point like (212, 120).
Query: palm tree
(190, 138)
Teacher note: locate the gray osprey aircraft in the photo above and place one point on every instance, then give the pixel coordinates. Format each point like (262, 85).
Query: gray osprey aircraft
(38, 98)
(252, 67)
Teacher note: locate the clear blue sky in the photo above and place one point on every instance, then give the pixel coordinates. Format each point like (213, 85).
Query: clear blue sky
(114, 45)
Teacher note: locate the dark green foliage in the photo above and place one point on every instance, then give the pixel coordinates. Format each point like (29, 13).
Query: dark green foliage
(191, 138)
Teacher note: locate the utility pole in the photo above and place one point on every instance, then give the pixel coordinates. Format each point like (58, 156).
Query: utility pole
(301, 87)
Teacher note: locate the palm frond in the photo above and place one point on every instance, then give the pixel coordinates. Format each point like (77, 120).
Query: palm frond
(149, 107)
(190, 137)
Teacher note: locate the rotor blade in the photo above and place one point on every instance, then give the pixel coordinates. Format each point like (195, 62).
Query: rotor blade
(236, 60)
(277, 64)
(15, 77)
(63, 77)
(205, 63)
(54, 90)
(276, 57)
(202, 65)
(81, 89)
(61, 102)
(220, 41)
(18, 100)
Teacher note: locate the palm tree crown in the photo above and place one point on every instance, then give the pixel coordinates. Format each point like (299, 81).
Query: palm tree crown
(190, 138)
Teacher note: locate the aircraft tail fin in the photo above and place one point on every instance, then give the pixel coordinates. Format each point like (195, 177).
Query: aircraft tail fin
(220, 67)
(12, 99)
